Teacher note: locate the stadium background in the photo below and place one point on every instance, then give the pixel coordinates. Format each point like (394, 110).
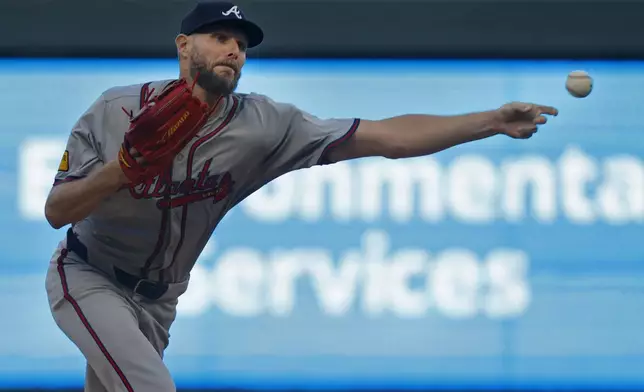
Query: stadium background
(497, 265)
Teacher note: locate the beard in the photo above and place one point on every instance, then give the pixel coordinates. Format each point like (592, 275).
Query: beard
(207, 78)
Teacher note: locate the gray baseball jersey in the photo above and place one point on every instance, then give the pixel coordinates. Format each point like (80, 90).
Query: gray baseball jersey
(157, 230)
(162, 225)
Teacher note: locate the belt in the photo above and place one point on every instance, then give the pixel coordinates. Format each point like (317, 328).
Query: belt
(147, 288)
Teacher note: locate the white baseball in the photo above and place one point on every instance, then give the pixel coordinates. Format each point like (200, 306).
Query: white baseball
(579, 84)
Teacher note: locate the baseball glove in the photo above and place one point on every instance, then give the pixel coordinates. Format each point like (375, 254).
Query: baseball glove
(160, 130)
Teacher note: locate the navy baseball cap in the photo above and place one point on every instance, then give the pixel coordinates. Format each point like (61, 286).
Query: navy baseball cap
(207, 15)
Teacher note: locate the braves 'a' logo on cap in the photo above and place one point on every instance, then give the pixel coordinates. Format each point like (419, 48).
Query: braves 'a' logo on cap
(234, 11)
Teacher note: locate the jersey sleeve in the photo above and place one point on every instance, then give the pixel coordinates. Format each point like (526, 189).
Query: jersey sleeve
(303, 140)
(82, 153)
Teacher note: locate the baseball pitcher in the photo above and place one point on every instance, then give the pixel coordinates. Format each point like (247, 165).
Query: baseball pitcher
(149, 171)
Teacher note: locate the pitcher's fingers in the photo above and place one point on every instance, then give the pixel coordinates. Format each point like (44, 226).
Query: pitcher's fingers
(547, 110)
(540, 120)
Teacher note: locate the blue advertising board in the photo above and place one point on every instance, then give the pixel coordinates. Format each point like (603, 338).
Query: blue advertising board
(500, 263)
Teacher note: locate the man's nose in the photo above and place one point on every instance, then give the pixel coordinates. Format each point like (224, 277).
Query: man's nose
(233, 49)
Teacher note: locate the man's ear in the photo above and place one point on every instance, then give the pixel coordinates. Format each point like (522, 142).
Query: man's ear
(183, 45)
